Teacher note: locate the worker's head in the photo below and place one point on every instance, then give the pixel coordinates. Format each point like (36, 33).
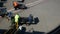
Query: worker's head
(30, 15)
(15, 3)
(17, 15)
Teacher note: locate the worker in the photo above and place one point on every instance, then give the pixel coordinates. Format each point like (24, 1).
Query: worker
(30, 18)
(9, 15)
(16, 20)
(15, 4)
(3, 12)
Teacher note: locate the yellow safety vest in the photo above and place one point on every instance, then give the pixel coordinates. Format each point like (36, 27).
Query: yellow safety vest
(16, 18)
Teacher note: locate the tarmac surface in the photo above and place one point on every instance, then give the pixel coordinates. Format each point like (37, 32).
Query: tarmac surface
(47, 11)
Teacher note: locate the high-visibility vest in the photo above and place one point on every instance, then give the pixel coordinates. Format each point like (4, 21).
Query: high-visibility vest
(15, 3)
(16, 18)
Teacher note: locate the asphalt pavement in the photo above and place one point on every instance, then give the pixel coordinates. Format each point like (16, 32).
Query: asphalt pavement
(48, 13)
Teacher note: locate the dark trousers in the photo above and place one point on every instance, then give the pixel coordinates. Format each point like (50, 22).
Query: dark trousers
(16, 7)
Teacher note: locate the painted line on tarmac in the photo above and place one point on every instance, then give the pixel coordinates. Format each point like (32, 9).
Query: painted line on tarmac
(28, 5)
(34, 3)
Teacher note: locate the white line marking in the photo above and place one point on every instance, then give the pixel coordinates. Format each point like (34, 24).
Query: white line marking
(34, 3)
